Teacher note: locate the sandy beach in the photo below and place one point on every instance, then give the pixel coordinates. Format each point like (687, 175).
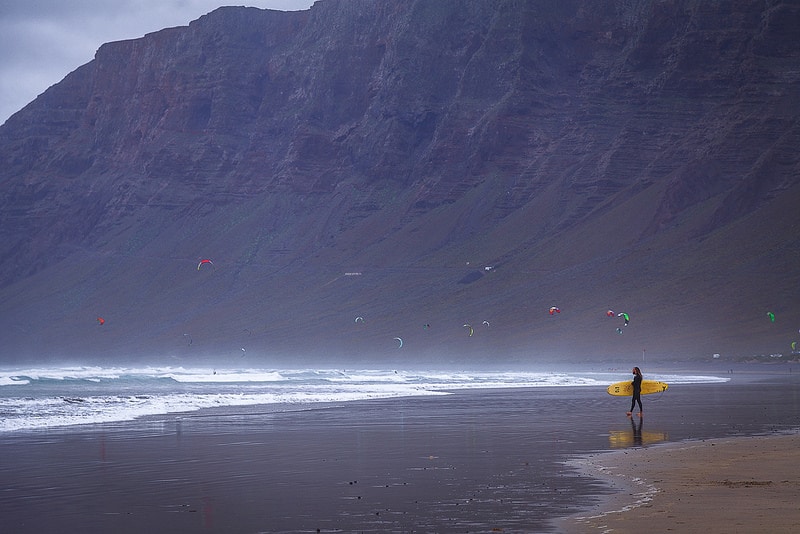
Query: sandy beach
(745, 484)
(472, 461)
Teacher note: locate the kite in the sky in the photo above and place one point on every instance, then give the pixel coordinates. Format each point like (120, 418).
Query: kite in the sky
(625, 317)
(203, 262)
(359, 319)
(399, 340)
(471, 331)
(101, 321)
(610, 313)
(771, 316)
(554, 309)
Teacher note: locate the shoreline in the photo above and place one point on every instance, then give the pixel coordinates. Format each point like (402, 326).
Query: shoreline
(734, 484)
(473, 461)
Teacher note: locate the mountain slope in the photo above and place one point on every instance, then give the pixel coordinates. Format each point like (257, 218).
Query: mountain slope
(473, 161)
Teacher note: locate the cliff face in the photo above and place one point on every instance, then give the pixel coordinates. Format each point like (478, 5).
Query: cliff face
(472, 160)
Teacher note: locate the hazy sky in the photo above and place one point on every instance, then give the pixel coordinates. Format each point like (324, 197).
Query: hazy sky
(41, 41)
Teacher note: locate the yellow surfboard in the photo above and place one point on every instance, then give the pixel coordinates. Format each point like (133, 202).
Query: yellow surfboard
(625, 389)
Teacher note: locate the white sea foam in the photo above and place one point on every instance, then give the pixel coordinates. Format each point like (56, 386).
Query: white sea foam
(13, 381)
(60, 411)
(688, 379)
(209, 376)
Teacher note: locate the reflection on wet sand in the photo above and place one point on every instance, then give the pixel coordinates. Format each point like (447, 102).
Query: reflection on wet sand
(636, 436)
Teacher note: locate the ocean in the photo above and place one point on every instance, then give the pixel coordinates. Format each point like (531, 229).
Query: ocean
(174, 449)
(44, 397)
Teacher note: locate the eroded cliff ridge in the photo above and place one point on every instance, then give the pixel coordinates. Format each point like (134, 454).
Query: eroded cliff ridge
(421, 164)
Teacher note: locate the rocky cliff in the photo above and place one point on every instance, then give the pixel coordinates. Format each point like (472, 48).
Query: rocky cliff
(423, 165)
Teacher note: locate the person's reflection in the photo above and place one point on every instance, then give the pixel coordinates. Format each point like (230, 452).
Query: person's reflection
(637, 431)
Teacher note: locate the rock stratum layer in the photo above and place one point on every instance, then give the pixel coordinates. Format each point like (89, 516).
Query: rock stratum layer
(423, 165)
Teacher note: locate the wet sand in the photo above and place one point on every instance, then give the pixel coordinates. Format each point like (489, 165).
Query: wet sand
(470, 462)
(745, 484)
(473, 461)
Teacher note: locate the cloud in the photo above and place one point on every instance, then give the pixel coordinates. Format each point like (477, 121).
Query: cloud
(41, 41)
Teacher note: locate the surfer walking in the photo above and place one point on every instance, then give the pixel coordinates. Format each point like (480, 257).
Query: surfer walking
(637, 390)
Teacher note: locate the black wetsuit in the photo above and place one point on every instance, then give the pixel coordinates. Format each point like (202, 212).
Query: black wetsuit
(637, 392)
